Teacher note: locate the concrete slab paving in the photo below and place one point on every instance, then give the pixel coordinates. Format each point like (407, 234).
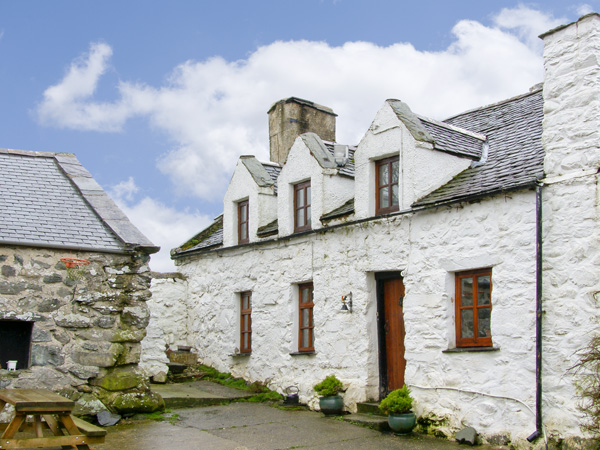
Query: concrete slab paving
(257, 426)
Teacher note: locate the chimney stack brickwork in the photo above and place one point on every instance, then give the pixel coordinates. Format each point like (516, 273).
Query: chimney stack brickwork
(291, 117)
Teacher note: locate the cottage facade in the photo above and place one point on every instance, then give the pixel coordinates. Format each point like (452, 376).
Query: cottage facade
(458, 257)
(74, 330)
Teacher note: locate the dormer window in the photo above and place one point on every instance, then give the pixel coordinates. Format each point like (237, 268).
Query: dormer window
(386, 182)
(302, 206)
(243, 237)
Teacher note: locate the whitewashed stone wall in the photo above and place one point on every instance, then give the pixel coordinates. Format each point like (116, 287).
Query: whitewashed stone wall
(168, 322)
(427, 247)
(571, 212)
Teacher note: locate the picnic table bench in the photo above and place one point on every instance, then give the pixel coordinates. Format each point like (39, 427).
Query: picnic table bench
(66, 431)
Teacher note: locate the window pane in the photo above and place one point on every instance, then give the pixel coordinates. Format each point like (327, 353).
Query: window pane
(483, 290)
(466, 323)
(245, 345)
(395, 172)
(384, 197)
(308, 195)
(308, 215)
(300, 217)
(305, 295)
(466, 292)
(305, 339)
(244, 212)
(484, 316)
(305, 317)
(394, 194)
(300, 198)
(243, 233)
(245, 325)
(383, 174)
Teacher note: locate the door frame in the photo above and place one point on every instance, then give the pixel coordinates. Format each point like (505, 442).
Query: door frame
(380, 278)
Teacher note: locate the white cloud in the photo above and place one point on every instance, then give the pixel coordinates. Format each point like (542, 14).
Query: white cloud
(528, 23)
(163, 225)
(67, 104)
(584, 9)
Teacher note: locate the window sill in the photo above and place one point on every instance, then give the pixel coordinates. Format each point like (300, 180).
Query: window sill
(237, 355)
(303, 353)
(471, 349)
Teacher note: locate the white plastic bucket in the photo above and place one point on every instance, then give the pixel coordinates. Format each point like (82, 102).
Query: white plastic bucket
(11, 365)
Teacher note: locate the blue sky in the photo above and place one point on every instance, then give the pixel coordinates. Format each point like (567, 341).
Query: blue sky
(158, 99)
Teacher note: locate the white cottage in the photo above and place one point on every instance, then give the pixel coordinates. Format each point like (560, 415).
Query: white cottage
(459, 257)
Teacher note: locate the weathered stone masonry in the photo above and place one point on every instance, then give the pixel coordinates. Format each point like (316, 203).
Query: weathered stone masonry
(86, 333)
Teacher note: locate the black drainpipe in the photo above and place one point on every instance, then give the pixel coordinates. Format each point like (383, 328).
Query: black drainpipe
(538, 322)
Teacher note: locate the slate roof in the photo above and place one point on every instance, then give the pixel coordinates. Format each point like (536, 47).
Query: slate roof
(273, 170)
(268, 229)
(344, 210)
(210, 237)
(515, 156)
(504, 140)
(50, 200)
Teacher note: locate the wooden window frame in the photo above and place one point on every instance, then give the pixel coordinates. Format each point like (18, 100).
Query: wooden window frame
(307, 207)
(243, 225)
(309, 305)
(246, 312)
(388, 184)
(476, 340)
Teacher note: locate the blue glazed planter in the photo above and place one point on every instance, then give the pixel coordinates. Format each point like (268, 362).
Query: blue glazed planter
(402, 423)
(331, 406)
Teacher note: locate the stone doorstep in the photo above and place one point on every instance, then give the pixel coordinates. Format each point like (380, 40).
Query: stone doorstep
(373, 421)
(371, 408)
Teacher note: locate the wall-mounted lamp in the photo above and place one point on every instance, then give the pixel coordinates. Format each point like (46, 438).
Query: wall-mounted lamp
(347, 302)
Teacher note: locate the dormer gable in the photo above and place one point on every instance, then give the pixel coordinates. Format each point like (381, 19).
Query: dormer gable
(250, 201)
(408, 156)
(310, 163)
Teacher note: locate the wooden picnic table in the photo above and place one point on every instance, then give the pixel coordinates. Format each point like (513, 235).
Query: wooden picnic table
(66, 431)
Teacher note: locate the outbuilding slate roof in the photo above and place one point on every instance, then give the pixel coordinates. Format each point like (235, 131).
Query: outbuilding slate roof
(50, 200)
(515, 156)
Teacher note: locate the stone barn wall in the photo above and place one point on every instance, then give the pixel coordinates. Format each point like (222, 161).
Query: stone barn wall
(86, 337)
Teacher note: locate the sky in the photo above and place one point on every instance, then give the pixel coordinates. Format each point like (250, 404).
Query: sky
(158, 99)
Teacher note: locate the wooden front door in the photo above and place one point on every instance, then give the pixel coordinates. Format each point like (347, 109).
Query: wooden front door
(390, 291)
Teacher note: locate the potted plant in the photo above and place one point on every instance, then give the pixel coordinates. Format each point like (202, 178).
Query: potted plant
(330, 401)
(397, 406)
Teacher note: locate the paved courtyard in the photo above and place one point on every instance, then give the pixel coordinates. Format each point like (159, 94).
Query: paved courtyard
(257, 426)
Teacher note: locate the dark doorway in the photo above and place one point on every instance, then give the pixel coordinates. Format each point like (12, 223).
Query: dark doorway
(390, 299)
(15, 342)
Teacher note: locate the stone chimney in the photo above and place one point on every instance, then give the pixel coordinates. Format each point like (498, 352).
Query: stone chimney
(291, 117)
(571, 130)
